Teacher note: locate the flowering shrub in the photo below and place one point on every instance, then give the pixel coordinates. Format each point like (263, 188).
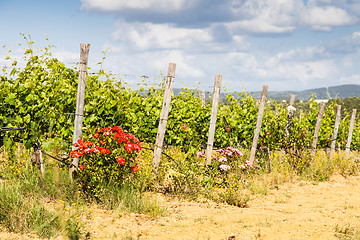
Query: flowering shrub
(227, 158)
(106, 157)
(225, 162)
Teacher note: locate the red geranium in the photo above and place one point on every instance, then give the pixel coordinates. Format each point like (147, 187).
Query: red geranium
(135, 168)
(120, 160)
(110, 151)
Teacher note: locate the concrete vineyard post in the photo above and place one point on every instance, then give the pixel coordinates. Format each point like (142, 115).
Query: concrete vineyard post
(258, 123)
(80, 102)
(164, 116)
(215, 102)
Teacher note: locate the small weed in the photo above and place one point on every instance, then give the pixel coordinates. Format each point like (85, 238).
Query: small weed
(347, 232)
(128, 237)
(265, 223)
(282, 198)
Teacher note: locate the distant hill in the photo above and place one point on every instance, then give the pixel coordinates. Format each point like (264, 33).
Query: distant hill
(341, 91)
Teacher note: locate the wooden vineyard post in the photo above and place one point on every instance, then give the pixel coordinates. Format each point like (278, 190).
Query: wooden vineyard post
(37, 159)
(215, 102)
(351, 129)
(258, 124)
(203, 98)
(317, 128)
(291, 111)
(335, 132)
(42, 170)
(164, 116)
(80, 103)
(292, 99)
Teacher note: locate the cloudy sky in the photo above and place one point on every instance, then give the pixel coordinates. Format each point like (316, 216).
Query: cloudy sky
(286, 44)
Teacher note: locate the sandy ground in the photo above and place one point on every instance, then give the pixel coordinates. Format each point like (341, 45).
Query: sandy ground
(297, 210)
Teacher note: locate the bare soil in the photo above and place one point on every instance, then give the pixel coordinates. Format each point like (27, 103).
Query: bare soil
(294, 210)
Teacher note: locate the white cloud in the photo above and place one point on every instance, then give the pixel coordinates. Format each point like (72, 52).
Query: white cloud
(185, 64)
(118, 5)
(350, 79)
(202, 40)
(323, 18)
(146, 36)
(262, 16)
(258, 26)
(66, 56)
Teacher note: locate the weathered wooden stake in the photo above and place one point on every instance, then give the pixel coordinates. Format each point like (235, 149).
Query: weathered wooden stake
(42, 170)
(292, 99)
(258, 123)
(80, 103)
(203, 98)
(335, 132)
(290, 115)
(351, 129)
(215, 102)
(164, 116)
(37, 159)
(317, 128)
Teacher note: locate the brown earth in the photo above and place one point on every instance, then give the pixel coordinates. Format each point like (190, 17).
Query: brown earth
(295, 210)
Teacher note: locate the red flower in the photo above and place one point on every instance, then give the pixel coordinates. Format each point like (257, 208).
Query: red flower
(120, 160)
(123, 139)
(134, 168)
(129, 147)
(103, 150)
(117, 129)
(102, 142)
(81, 167)
(74, 154)
(132, 137)
(136, 147)
(95, 150)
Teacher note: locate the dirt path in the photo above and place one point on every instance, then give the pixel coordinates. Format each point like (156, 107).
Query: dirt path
(298, 210)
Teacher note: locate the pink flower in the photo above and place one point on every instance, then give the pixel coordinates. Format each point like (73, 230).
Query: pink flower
(200, 154)
(224, 167)
(248, 163)
(242, 166)
(219, 150)
(223, 159)
(228, 153)
(237, 152)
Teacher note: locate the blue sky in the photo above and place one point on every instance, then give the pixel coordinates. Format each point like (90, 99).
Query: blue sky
(286, 44)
